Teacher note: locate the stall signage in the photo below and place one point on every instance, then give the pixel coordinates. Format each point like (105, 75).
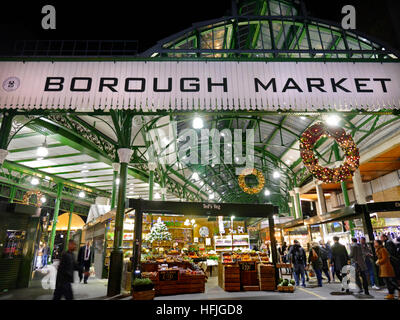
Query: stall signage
(168, 275)
(194, 85)
(246, 266)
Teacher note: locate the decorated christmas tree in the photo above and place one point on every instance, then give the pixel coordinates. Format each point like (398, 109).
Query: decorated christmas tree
(159, 232)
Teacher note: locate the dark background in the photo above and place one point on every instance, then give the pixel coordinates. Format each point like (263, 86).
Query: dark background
(150, 21)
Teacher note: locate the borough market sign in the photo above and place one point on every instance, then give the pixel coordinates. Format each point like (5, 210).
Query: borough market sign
(220, 85)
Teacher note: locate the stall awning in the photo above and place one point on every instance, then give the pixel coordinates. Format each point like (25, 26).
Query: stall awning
(199, 85)
(291, 224)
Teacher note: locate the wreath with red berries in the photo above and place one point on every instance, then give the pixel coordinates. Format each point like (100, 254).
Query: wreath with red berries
(345, 142)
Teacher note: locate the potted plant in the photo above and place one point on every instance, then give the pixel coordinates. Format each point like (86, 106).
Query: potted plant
(143, 289)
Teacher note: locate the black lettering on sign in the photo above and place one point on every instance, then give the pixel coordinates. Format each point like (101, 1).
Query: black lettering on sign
(168, 275)
(54, 84)
(84, 81)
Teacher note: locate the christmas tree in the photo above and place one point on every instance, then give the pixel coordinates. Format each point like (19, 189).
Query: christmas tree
(159, 232)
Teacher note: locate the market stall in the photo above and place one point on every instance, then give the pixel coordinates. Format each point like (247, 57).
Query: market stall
(237, 268)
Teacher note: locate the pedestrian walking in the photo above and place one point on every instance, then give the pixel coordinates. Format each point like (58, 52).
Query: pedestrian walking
(393, 255)
(297, 256)
(45, 255)
(85, 260)
(386, 269)
(324, 258)
(367, 252)
(340, 257)
(314, 258)
(65, 274)
(358, 262)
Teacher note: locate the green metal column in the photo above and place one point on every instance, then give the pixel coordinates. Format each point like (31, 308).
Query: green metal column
(116, 167)
(55, 218)
(104, 274)
(152, 167)
(299, 205)
(344, 188)
(13, 191)
(123, 122)
(71, 209)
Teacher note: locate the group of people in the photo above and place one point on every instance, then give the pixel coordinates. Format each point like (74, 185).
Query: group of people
(321, 256)
(67, 266)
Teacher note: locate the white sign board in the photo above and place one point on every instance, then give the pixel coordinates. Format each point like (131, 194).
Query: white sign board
(188, 85)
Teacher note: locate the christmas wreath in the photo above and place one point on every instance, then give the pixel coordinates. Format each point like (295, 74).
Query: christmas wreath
(260, 178)
(345, 142)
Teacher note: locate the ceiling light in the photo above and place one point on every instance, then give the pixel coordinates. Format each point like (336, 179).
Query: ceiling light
(81, 194)
(211, 196)
(222, 134)
(232, 217)
(187, 222)
(267, 192)
(42, 151)
(197, 123)
(43, 199)
(332, 120)
(303, 118)
(195, 176)
(157, 196)
(192, 221)
(276, 175)
(35, 181)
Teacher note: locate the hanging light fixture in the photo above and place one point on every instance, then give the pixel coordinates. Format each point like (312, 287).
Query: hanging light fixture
(211, 196)
(195, 176)
(43, 199)
(267, 192)
(192, 221)
(42, 151)
(35, 181)
(157, 196)
(187, 222)
(332, 120)
(276, 175)
(197, 123)
(81, 194)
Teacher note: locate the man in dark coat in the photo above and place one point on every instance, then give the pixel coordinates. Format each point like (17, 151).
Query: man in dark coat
(358, 261)
(85, 260)
(65, 274)
(340, 257)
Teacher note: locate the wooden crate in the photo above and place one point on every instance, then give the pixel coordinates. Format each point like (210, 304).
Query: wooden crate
(143, 295)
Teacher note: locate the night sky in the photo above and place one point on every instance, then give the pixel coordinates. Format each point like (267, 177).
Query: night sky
(150, 21)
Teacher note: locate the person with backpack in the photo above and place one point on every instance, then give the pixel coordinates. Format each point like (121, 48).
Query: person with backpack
(324, 258)
(314, 258)
(297, 256)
